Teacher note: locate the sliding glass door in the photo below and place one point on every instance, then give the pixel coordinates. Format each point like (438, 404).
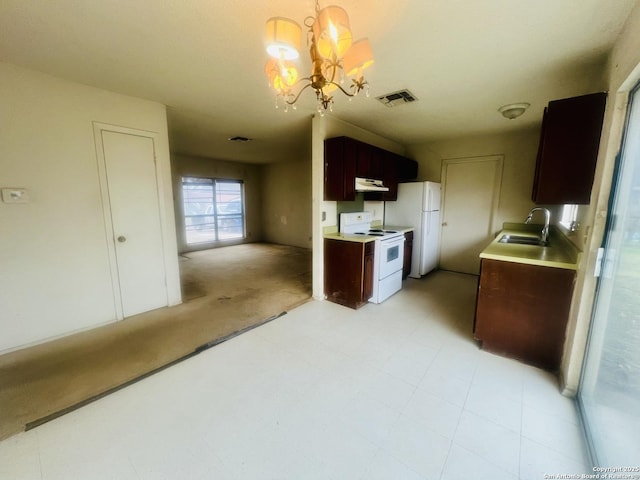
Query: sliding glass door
(609, 395)
(213, 209)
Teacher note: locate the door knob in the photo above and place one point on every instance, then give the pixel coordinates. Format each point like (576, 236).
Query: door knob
(444, 224)
(122, 239)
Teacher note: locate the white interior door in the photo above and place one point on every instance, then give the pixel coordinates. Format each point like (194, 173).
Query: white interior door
(133, 210)
(471, 194)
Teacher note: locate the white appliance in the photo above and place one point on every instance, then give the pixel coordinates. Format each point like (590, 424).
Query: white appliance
(388, 256)
(369, 185)
(418, 206)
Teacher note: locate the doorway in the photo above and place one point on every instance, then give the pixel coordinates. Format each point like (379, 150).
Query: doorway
(471, 192)
(609, 393)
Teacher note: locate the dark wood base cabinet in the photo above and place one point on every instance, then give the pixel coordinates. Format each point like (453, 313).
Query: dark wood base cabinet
(408, 250)
(522, 311)
(348, 272)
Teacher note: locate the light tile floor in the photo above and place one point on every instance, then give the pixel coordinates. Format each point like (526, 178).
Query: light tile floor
(392, 391)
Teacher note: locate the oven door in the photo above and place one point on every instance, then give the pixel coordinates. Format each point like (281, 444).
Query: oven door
(391, 256)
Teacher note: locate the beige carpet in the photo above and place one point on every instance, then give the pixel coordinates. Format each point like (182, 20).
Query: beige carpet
(226, 291)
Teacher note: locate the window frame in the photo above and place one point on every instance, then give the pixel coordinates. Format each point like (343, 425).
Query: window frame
(569, 216)
(212, 206)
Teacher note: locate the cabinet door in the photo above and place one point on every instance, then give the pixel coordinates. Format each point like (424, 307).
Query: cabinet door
(568, 150)
(349, 153)
(344, 267)
(408, 251)
(522, 311)
(389, 165)
(363, 159)
(407, 169)
(339, 169)
(369, 160)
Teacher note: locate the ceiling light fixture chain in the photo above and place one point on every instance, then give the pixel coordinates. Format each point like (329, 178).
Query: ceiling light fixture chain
(333, 55)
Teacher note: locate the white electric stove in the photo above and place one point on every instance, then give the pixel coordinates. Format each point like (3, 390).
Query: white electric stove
(388, 253)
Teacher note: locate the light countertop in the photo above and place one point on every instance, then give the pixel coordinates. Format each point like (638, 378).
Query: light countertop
(560, 253)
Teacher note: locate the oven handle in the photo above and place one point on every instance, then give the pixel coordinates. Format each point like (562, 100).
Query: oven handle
(392, 241)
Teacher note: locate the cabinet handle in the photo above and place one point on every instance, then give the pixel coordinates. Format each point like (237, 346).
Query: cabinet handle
(122, 239)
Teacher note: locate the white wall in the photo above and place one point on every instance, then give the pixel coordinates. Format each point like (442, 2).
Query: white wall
(623, 73)
(53, 250)
(519, 150)
(183, 165)
(286, 203)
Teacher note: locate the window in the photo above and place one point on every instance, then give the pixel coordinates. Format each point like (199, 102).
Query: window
(213, 209)
(569, 217)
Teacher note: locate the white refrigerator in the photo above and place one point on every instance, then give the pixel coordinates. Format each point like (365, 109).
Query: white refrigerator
(418, 206)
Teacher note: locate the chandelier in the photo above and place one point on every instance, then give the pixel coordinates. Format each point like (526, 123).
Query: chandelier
(334, 57)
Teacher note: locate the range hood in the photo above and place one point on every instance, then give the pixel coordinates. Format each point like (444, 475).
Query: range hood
(370, 185)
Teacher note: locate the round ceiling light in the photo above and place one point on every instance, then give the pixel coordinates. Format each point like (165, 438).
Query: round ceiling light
(513, 110)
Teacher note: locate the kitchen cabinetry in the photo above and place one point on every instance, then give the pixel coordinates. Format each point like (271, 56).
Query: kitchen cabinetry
(339, 169)
(522, 311)
(389, 176)
(568, 150)
(348, 272)
(369, 160)
(408, 248)
(346, 158)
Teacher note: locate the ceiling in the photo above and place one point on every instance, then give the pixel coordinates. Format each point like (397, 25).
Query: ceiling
(204, 59)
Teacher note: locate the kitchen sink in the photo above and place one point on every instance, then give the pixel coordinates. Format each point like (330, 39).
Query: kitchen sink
(521, 240)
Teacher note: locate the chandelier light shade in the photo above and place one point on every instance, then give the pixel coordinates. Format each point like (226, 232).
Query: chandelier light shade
(283, 38)
(359, 57)
(332, 32)
(282, 75)
(333, 53)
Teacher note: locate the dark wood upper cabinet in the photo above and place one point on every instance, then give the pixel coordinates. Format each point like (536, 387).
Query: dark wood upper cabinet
(568, 150)
(369, 161)
(346, 158)
(407, 169)
(340, 158)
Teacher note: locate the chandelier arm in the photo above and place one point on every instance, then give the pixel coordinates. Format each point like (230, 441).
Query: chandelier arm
(343, 90)
(298, 95)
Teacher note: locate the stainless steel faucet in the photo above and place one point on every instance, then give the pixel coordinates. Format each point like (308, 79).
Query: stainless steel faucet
(544, 235)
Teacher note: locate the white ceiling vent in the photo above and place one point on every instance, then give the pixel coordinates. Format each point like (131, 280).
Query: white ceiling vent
(396, 99)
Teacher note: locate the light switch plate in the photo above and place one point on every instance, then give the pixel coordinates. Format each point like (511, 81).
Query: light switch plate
(15, 195)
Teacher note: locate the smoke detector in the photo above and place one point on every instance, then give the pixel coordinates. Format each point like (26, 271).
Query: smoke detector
(513, 110)
(396, 99)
